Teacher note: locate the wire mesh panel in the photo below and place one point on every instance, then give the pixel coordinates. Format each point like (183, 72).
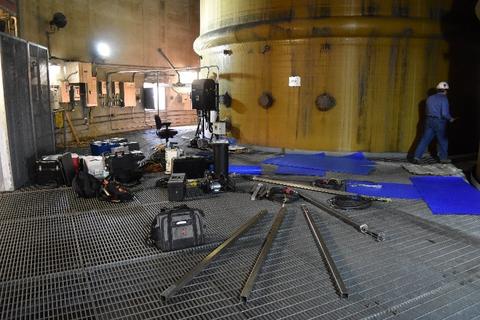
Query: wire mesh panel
(34, 247)
(66, 257)
(54, 296)
(23, 205)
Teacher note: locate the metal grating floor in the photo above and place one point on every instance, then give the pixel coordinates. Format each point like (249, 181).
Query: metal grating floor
(66, 258)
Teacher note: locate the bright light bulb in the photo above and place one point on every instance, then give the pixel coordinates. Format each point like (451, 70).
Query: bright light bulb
(103, 50)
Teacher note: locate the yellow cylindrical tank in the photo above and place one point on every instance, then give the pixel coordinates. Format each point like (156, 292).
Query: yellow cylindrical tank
(365, 67)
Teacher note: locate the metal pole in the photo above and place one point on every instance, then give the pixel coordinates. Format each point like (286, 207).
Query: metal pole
(169, 62)
(363, 228)
(322, 247)
(174, 288)
(158, 95)
(64, 129)
(267, 244)
(317, 189)
(32, 65)
(379, 236)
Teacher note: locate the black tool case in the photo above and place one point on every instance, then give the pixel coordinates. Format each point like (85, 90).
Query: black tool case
(178, 228)
(49, 170)
(176, 186)
(124, 167)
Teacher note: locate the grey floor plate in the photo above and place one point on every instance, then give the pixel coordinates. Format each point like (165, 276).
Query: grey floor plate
(62, 257)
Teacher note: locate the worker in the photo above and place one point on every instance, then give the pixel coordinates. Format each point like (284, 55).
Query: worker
(437, 115)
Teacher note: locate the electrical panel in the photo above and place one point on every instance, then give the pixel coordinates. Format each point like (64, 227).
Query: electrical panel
(129, 94)
(64, 95)
(115, 87)
(78, 72)
(75, 92)
(92, 92)
(220, 128)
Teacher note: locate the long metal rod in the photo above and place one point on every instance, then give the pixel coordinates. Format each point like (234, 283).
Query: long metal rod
(362, 227)
(379, 236)
(32, 65)
(317, 189)
(174, 288)
(322, 247)
(267, 244)
(169, 62)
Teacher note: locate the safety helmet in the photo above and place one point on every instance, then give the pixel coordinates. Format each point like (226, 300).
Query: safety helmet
(443, 86)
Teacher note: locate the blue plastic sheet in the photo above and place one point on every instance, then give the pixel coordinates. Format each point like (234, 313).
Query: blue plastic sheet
(448, 195)
(355, 156)
(383, 189)
(345, 164)
(300, 171)
(243, 169)
(292, 157)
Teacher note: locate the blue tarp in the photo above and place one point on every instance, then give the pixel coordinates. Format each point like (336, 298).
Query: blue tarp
(243, 169)
(293, 157)
(300, 171)
(383, 189)
(355, 156)
(448, 195)
(355, 163)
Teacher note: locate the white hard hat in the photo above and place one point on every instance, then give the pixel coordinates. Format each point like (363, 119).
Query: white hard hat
(443, 86)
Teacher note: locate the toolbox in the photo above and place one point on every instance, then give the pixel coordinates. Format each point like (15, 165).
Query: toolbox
(176, 187)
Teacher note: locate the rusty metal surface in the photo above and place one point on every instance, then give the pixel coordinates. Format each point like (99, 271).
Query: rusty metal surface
(377, 59)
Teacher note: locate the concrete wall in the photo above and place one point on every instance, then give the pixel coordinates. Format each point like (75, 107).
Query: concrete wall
(134, 29)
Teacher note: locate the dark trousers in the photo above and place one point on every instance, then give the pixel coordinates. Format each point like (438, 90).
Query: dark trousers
(434, 127)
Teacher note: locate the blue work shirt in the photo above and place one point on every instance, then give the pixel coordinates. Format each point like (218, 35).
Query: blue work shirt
(437, 107)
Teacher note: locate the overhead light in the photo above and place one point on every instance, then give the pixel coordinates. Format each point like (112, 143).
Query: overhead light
(103, 50)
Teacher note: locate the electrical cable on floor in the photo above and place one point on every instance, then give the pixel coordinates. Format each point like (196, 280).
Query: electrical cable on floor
(350, 202)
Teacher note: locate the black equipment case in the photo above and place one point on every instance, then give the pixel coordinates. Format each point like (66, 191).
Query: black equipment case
(178, 228)
(204, 94)
(193, 167)
(124, 167)
(49, 170)
(176, 187)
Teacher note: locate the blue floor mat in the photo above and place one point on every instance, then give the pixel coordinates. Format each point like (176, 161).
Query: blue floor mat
(300, 171)
(448, 195)
(243, 169)
(356, 156)
(345, 164)
(292, 157)
(383, 189)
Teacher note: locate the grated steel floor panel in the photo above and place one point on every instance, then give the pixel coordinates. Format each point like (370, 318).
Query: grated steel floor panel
(62, 257)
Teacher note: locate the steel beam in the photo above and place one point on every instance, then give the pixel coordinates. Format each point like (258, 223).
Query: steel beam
(267, 244)
(322, 247)
(379, 236)
(317, 189)
(177, 286)
(362, 227)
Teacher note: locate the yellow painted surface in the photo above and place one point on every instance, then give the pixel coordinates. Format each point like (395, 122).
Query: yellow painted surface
(377, 59)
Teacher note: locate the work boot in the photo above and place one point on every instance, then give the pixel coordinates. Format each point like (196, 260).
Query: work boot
(445, 161)
(414, 160)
